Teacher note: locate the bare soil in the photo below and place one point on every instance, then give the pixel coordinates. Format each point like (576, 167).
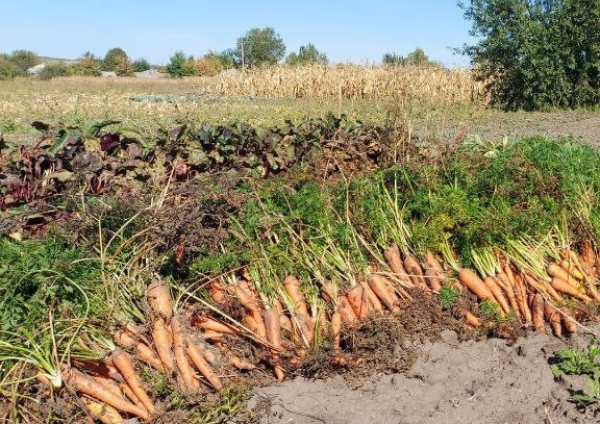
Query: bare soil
(485, 382)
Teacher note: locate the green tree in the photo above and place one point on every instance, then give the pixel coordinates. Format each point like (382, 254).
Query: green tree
(124, 68)
(415, 58)
(140, 65)
(537, 54)
(112, 59)
(306, 54)
(260, 46)
(55, 70)
(392, 59)
(22, 60)
(7, 68)
(176, 65)
(88, 66)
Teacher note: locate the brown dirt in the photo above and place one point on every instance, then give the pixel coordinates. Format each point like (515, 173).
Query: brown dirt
(484, 382)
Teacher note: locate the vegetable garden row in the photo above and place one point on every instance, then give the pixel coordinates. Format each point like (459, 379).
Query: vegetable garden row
(300, 235)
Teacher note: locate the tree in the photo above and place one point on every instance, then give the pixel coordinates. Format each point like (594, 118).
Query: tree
(306, 54)
(537, 54)
(175, 68)
(260, 46)
(140, 65)
(112, 58)
(124, 68)
(415, 58)
(7, 68)
(22, 60)
(55, 70)
(88, 66)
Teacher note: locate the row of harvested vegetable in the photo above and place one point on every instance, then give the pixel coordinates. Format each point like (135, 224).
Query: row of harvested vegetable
(192, 341)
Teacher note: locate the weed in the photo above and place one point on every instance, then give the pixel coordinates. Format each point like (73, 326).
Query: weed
(581, 362)
(448, 296)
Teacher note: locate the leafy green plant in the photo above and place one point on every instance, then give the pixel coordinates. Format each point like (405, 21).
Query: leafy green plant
(581, 362)
(448, 296)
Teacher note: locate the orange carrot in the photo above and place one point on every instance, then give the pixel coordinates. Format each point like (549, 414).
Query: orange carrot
(194, 352)
(345, 310)
(588, 257)
(355, 298)
(372, 298)
(510, 294)
(216, 292)
(328, 290)
(568, 321)
(213, 336)
(336, 331)
(271, 318)
(394, 260)
(381, 288)
(434, 272)
(100, 411)
(292, 288)
(555, 270)
(210, 324)
(562, 286)
(553, 316)
(570, 268)
(475, 284)
(522, 297)
(415, 272)
(248, 302)
(143, 352)
(128, 392)
(88, 386)
(109, 384)
(124, 364)
(498, 295)
(159, 297)
(163, 344)
(538, 314)
(241, 364)
(186, 372)
(471, 319)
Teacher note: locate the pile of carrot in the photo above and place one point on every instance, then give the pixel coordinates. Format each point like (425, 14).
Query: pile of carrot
(192, 346)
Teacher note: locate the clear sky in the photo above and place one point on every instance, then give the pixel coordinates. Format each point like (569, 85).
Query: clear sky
(355, 31)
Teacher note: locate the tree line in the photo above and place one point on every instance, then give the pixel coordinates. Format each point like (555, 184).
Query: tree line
(256, 48)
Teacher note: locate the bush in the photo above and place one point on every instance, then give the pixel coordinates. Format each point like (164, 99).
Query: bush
(55, 70)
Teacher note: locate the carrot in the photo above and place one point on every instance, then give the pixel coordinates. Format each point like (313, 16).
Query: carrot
(372, 298)
(394, 260)
(588, 257)
(328, 290)
(124, 364)
(188, 376)
(124, 387)
(210, 324)
(568, 321)
(273, 326)
(510, 294)
(381, 288)
(553, 316)
(102, 412)
(538, 314)
(292, 288)
(355, 298)
(498, 295)
(555, 270)
(241, 363)
(574, 272)
(245, 297)
(434, 272)
(475, 284)
(213, 336)
(216, 292)
(163, 343)
(88, 386)
(336, 331)
(109, 384)
(142, 351)
(562, 286)
(345, 310)
(159, 297)
(471, 319)
(415, 272)
(522, 297)
(306, 327)
(195, 353)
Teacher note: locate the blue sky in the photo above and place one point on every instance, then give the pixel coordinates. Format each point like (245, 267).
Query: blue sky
(345, 30)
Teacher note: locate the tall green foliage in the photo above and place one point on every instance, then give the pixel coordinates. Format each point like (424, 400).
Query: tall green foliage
(537, 53)
(260, 46)
(306, 54)
(113, 59)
